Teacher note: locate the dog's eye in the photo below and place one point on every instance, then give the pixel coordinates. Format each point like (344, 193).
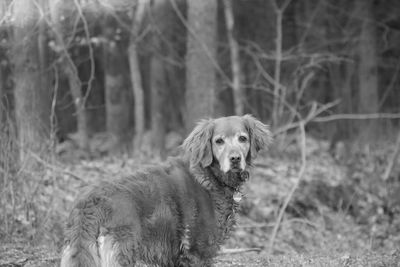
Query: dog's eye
(219, 141)
(242, 139)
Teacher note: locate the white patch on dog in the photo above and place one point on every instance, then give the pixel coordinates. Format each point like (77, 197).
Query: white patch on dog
(66, 255)
(108, 251)
(67, 258)
(185, 242)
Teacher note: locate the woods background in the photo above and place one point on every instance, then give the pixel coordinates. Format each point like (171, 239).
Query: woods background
(81, 79)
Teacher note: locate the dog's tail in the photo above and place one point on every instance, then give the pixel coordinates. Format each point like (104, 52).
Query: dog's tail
(83, 226)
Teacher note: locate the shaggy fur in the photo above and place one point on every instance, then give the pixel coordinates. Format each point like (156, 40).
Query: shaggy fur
(175, 214)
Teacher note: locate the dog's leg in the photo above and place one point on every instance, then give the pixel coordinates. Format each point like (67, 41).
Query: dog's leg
(88, 256)
(118, 248)
(188, 260)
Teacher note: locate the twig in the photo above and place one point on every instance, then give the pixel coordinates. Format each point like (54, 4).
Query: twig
(391, 85)
(357, 117)
(238, 250)
(312, 116)
(91, 53)
(392, 160)
(57, 169)
(289, 196)
(263, 225)
(255, 225)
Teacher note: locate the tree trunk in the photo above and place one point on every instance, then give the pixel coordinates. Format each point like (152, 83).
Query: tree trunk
(162, 14)
(2, 90)
(238, 93)
(200, 61)
(117, 94)
(32, 98)
(279, 89)
(136, 77)
(367, 70)
(3, 8)
(158, 104)
(75, 86)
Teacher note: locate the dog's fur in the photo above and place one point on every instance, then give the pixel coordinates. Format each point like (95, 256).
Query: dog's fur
(175, 214)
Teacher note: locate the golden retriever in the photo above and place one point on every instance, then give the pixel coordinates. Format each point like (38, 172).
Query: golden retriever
(174, 214)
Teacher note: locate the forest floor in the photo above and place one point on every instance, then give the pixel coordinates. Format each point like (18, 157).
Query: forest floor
(342, 212)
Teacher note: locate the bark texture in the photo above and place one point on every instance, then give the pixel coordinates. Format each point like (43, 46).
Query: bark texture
(200, 61)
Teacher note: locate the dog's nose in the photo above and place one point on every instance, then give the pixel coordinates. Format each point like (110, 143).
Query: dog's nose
(235, 158)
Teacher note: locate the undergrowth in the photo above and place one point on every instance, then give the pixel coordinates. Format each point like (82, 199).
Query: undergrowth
(341, 208)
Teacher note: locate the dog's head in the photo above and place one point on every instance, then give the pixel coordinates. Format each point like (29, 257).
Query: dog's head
(229, 143)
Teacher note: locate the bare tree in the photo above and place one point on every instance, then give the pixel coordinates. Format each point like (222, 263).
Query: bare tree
(162, 24)
(136, 77)
(367, 70)
(117, 93)
(32, 94)
(3, 10)
(238, 93)
(279, 89)
(2, 90)
(200, 68)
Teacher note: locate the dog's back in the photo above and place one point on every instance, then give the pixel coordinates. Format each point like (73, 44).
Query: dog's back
(145, 216)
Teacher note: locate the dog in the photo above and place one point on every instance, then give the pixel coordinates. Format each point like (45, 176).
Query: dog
(174, 214)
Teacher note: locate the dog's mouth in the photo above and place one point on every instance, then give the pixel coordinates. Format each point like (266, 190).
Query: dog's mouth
(236, 169)
(237, 176)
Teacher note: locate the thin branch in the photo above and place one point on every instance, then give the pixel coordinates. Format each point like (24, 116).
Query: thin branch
(238, 250)
(390, 86)
(312, 115)
(393, 159)
(57, 169)
(278, 91)
(310, 23)
(295, 186)
(372, 116)
(91, 54)
(53, 116)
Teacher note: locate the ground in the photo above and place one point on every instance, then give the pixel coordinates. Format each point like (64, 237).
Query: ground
(341, 213)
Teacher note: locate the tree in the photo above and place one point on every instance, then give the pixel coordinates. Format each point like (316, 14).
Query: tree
(117, 93)
(279, 89)
(3, 8)
(162, 17)
(368, 67)
(136, 77)
(238, 92)
(31, 93)
(200, 61)
(2, 90)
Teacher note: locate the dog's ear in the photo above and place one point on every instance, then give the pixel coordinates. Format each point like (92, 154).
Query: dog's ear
(197, 145)
(260, 135)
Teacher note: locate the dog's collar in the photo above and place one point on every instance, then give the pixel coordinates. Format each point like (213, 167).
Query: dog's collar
(237, 196)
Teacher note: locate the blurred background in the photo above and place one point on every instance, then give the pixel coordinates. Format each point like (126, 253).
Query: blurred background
(93, 88)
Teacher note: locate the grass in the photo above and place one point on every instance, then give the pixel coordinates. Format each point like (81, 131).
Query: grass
(34, 204)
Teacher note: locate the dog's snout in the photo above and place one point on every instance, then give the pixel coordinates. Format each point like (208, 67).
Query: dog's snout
(235, 158)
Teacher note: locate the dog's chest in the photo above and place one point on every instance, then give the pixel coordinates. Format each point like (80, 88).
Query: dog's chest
(213, 228)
